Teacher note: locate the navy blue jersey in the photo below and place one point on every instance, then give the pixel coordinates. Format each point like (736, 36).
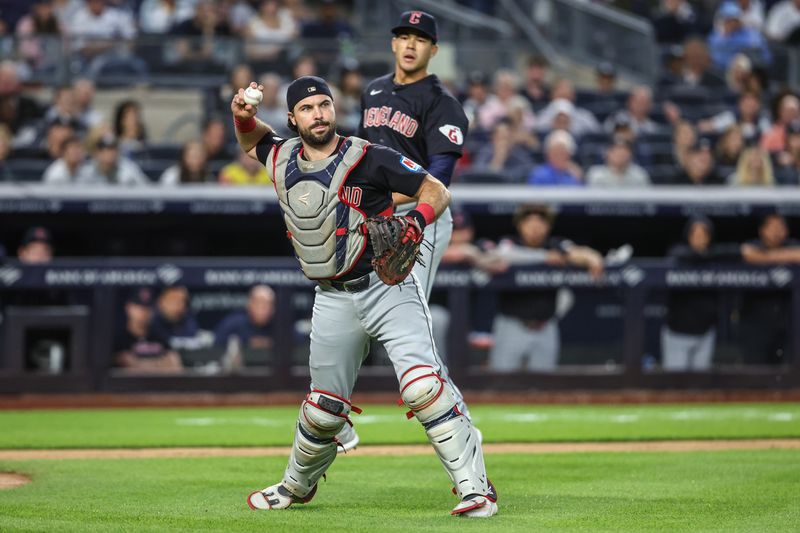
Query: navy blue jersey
(419, 119)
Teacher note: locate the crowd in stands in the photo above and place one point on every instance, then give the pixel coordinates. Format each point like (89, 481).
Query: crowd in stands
(714, 117)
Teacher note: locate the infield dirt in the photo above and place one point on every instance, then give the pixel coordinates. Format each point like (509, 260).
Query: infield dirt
(409, 449)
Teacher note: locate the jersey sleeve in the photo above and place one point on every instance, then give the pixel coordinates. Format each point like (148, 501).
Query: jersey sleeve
(389, 169)
(446, 127)
(265, 146)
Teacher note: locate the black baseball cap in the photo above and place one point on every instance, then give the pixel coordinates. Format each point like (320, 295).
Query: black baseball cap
(36, 234)
(141, 296)
(418, 21)
(303, 87)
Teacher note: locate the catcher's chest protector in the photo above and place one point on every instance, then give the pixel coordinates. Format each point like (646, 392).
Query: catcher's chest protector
(325, 232)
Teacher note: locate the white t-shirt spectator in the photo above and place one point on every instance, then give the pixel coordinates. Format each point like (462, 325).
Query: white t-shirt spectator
(155, 16)
(126, 172)
(58, 173)
(112, 23)
(605, 176)
(783, 19)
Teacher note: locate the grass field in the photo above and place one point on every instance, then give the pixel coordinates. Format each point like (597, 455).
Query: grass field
(753, 490)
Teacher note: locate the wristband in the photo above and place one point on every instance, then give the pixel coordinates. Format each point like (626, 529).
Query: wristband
(423, 214)
(244, 126)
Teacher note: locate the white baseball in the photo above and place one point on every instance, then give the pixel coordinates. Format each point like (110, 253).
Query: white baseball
(252, 96)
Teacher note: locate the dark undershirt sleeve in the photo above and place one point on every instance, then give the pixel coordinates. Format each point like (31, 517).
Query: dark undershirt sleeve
(441, 167)
(266, 144)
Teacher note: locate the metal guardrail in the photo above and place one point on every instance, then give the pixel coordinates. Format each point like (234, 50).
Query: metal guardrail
(103, 278)
(492, 199)
(591, 32)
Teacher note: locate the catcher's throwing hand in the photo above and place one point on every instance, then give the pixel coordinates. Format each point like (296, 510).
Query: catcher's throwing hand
(413, 231)
(242, 110)
(395, 243)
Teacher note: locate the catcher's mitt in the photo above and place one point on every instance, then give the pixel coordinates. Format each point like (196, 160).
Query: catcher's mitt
(395, 242)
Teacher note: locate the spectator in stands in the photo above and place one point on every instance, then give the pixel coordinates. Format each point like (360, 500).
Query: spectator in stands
(506, 94)
(244, 171)
(6, 174)
(749, 118)
(684, 138)
(35, 31)
(65, 110)
(272, 109)
(198, 47)
(783, 22)
(766, 316)
(476, 97)
(697, 67)
(637, 111)
(535, 87)
(730, 147)
(174, 322)
(253, 327)
(689, 334)
(84, 91)
(753, 170)
(36, 247)
(65, 170)
(526, 326)
(191, 169)
(331, 23)
(54, 136)
(787, 111)
(136, 347)
(732, 37)
(129, 128)
(503, 156)
(107, 167)
(269, 31)
(582, 121)
(739, 73)
(159, 16)
(17, 111)
(605, 79)
(348, 105)
(752, 14)
(559, 168)
(215, 139)
(674, 22)
(700, 167)
(788, 160)
(619, 169)
(102, 30)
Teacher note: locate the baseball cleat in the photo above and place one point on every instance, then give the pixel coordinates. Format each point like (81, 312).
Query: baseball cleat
(276, 497)
(477, 505)
(347, 439)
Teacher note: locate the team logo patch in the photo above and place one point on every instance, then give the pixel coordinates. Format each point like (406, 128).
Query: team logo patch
(410, 165)
(453, 133)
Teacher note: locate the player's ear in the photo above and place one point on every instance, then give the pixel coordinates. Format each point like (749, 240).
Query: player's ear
(394, 44)
(290, 116)
(434, 49)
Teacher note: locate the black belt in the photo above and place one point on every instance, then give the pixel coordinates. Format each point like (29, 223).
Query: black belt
(354, 285)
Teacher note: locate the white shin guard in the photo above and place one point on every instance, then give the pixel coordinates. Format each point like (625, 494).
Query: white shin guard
(322, 415)
(433, 402)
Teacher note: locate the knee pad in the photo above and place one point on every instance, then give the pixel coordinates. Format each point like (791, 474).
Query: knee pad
(427, 394)
(322, 415)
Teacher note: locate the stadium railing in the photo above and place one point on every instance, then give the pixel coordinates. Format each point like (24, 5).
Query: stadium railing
(103, 280)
